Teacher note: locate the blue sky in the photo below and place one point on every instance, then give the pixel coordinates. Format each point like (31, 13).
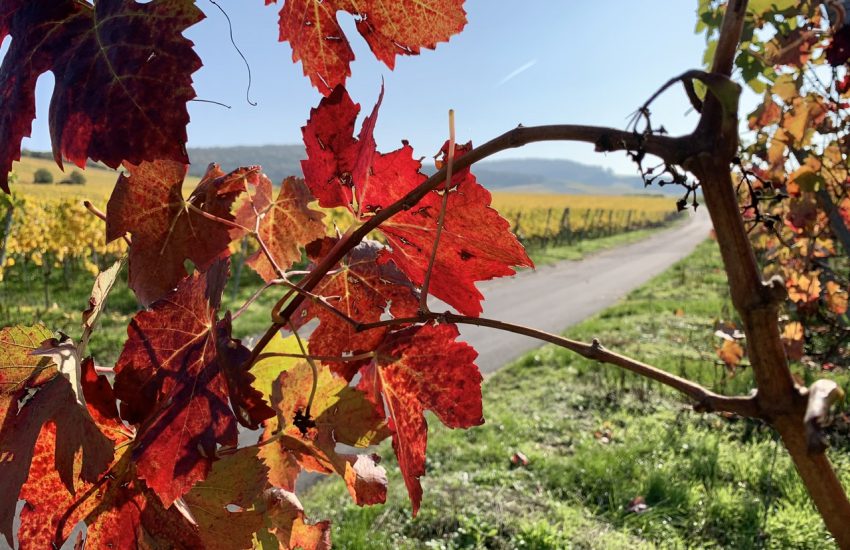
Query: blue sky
(531, 62)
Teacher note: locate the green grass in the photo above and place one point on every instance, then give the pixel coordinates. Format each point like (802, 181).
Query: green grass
(22, 301)
(597, 438)
(557, 252)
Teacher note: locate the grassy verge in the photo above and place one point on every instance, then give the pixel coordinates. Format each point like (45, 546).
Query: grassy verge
(22, 301)
(598, 442)
(576, 251)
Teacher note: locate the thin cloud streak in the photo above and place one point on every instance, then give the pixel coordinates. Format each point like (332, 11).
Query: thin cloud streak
(516, 72)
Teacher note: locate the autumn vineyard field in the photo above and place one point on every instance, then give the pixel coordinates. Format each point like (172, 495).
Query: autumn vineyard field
(45, 227)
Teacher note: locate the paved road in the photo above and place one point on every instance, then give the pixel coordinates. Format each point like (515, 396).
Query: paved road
(553, 298)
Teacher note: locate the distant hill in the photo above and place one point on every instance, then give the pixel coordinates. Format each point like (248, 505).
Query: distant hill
(278, 161)
(523, 175)
(530, 175)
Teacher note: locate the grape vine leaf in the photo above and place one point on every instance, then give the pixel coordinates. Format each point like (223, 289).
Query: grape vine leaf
(476, 243)
(418, 369)
(338, 414)
(236, 481)
(284, 225)
(362, 290)
(402, 27)
(287, 529)
(103, 284)
(170, 380)
(32, 395)
(836, 298)
(165, 229)
(248, 403)
(111, 60)
(730, 353)
(331, 149)
(119, 511)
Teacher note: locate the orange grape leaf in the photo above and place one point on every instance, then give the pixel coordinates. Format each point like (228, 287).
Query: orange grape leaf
(119, 511)
(364, 291)
(286, 516)
(236, 482)
(418, 369)
(285, 224)
(731, 353)
(111, 60)
(767, 113)
(171, 381)
(166, 230)
(32, 396)
(401, 27)
(804, 287)
(836, 298)
(792, 339)
(337, 414)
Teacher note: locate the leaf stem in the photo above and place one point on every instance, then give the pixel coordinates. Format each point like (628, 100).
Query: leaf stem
(423, 295)
(312, 366)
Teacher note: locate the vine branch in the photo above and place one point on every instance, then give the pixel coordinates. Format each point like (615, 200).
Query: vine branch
(671, 149)
(706, 400)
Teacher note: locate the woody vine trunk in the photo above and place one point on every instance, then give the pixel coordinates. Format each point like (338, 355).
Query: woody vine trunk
(780, 401)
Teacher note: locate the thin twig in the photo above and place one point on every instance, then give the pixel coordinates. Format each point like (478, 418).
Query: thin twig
(100, 214)
(312, 366)
(423, 295)
(253, 298)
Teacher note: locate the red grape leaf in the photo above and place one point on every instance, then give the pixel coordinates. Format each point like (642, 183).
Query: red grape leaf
(236, 480)
(476, 243)
(166, 231)
(364, 291)
(285, 224)
(31, 396)
(119, 510)
(124, 513)
(170, 380)
(338, 414)
(286, 515)
(418, 369)
(401, 27)
(248, 403)
(331, 149)
(111, 62)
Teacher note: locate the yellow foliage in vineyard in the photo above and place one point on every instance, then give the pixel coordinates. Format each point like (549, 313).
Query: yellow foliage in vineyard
(50, 226)
(50, 232)
(541, 215)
